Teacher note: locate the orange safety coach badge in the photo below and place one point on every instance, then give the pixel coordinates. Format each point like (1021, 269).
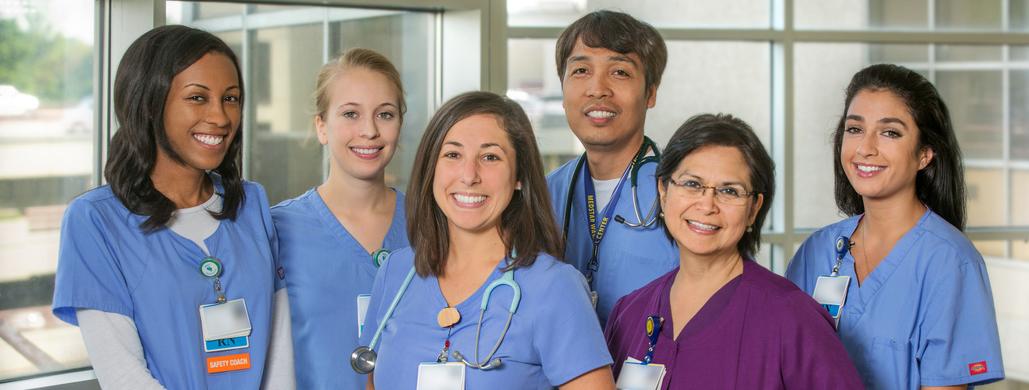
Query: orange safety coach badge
(977, 368)
(239, 361)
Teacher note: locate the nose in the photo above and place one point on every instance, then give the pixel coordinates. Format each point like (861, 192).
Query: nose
(369, 129)
(597, 87)
(868, 146)
(218, 115)
(706, 201)
(469, 172)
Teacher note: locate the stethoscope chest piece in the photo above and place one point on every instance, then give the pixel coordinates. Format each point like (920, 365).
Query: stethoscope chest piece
(362, 360)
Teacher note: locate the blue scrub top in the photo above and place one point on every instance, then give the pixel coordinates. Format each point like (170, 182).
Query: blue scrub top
(328, 268)
(554, 336)
(923, 317)
(628, 258)
(107, 263)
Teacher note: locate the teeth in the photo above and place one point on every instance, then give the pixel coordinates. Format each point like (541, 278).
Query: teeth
(703, 226)
(869, 168)
(365, 150)
(469, 198)
(600, 114)
(208, 139)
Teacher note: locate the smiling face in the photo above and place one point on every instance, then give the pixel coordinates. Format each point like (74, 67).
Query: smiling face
(202, 112)
(605, 97)
(880, 152)
(703, 226)
(475, 174)
(361, 124)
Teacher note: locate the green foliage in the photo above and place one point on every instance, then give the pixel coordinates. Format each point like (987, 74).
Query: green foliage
(37, 61)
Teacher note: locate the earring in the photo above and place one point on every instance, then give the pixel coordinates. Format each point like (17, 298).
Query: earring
(750, 229)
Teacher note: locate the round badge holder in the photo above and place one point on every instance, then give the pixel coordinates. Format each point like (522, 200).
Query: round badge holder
(379, 256)
(211, 267)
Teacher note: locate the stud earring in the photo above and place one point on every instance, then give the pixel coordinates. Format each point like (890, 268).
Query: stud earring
(750, 229)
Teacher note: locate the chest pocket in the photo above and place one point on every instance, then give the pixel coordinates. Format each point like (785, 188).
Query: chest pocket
(887, 363)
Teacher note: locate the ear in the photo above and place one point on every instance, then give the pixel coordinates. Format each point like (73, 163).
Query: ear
(662, 189)
(757, 206)
(925, 156)
(652, 96)
(319, 129)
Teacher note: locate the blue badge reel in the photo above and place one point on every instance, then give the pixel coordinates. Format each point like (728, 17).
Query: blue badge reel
(831, 291)
(644, 375)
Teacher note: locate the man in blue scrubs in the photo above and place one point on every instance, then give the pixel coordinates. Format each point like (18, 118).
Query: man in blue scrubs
(610, 65)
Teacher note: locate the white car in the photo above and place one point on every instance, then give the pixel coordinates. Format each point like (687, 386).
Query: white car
(14, 103)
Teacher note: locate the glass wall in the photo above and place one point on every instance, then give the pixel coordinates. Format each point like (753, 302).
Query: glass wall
(732, 57)
(47, 140)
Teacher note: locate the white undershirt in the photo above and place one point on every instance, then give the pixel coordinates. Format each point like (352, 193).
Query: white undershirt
(604, 189)
(112, 340)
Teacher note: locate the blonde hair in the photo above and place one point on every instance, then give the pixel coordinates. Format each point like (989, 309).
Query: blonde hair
(356, 58)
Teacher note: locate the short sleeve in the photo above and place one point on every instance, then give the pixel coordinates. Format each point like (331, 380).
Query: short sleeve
(612, 335)
(279, 272)
(960, 344)
(812, 355)
(797, 271)
(567, 334)
(88, 273)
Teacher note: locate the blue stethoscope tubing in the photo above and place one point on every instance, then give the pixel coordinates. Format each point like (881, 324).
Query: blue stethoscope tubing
(638, 161)
(362, 360)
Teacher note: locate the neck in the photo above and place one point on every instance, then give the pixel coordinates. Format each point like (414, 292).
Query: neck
(355, 194)
(608, 163)
(183, 185)
(474, 250)
(892, 217)
(706, 270)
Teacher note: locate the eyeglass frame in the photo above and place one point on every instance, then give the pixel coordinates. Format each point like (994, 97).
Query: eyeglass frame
(714, 190)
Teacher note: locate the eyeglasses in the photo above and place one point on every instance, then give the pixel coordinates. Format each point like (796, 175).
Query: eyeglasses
(731, 194)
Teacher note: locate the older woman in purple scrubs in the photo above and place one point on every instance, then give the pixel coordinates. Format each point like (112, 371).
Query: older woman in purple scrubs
(720, 320)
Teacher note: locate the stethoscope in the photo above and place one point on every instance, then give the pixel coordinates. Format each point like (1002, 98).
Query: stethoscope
(362, 360)
(637, 162)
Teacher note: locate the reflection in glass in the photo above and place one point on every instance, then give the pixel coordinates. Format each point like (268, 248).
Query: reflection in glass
(976, 106)
(968, 53)
(660, 13)
(1018, 15)
(46, 159)
(1019, 114)
(968, 15)
(861, 15)
(984, 197)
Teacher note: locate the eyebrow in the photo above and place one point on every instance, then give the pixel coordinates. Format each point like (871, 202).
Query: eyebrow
(616, 58)
(386, 104)
(483, 146)
(205, 87)
(888, 119)
(725, 183)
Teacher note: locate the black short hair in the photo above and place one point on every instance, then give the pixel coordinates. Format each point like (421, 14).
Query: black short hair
(620, 33)
(724, 130)
(941, 184)
(140, 90)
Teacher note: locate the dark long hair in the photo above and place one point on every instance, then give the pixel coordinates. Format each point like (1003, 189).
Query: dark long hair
(941, 184)
(526, 225)
(140, 90)
(724, 130)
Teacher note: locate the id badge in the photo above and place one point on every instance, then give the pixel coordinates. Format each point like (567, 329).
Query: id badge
(593, 298)
(362, 310)
(441, 376)
(638, 376)
(831, 293)
(225, 325)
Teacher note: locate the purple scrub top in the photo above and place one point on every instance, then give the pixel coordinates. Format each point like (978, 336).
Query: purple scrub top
(759, 331)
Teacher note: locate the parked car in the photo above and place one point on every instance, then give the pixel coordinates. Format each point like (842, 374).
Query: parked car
(79, 119)
(14, 103)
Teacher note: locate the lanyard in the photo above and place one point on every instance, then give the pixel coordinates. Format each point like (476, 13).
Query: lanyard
(653, 331)
(599, 227)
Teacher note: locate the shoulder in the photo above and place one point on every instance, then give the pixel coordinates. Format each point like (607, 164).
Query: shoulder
(252, 188)
(827, 235)
(294, 207)
(399, 261)
(949, 243)
(780, 300)
(767, 284)
(562, 173)
(100, 200)
(643, 295)
(549, 270)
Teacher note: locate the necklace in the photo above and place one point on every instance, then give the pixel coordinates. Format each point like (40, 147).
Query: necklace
(864, 248)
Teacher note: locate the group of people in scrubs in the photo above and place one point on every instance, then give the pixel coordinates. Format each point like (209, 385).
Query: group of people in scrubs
(629, 267)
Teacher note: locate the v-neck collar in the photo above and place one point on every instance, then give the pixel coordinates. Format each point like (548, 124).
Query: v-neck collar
(473, 300)
(333, 224)
(861, 294)
(710, 313)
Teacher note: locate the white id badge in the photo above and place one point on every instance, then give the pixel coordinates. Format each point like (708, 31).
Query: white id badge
(362, 310)
(441, 376)
(638, 376)
(225, 320)
(593, 298)
(831, 293)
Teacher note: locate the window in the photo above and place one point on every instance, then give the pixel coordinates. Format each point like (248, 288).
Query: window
(47, 141)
